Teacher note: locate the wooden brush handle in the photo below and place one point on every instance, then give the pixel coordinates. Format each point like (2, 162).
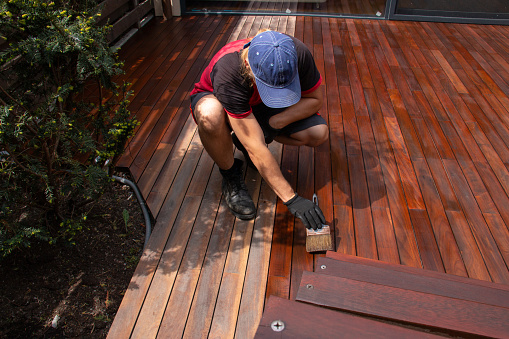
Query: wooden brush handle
(322, 231)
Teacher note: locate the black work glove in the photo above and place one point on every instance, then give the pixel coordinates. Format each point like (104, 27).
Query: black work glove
(307, 211)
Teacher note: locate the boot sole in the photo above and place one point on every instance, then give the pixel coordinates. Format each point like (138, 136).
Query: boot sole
(244, 216)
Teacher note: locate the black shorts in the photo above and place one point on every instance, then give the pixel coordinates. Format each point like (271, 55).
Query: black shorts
(263, 113)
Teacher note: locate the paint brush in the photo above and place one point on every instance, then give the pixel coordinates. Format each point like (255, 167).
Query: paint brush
(320, 239)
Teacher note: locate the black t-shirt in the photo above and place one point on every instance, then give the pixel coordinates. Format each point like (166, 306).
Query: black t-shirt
(223, 77)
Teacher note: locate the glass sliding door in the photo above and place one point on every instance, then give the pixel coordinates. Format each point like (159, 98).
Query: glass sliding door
(475, 11)
(371, 8)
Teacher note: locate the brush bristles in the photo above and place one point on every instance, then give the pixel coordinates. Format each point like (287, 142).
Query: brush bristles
(320, 240)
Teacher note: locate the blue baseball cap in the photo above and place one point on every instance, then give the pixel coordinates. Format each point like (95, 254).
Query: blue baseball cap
(273, 59)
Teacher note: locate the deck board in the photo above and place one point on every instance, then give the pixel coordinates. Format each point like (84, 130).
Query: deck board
(415, 171)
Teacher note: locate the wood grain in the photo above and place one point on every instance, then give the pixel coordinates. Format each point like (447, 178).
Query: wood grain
(425, 309)
(331, 323)
(415, 170)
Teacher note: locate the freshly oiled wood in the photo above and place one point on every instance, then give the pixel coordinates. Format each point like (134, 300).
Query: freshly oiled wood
(377, 76)
(472, 258)
(428, 248)
(322, 51)
(439, 142)
(382, 223)
(433, 157)
(375, 164)
(357, 90)
(403, 117)
(424, 309)
(414, 280)
(496, 40)
(322, 323)
(494, 186)
(449, 251)
(324, 183)
(458, 120)
(344, 233)
(144, 57)
(363, 223)
(442, 184)
(149, 74)
(414, 270)
(406, 43)
(340, 55)
(399, 214)
(389, 54)
(454, 141)
(495, 134)
(375, 183)
(173, 90)
(421, 112)
(428, 90)
(496, 73)
(175, 93)
(158, 162)
(352, 141)
(493, 259)
(500, 232)
(402, 157)
(381, 61)
(363, 68)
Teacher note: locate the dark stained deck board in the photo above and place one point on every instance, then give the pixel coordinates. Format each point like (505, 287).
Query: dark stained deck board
(415, 172)
(409, 306)
(330, 323)
(488, 293)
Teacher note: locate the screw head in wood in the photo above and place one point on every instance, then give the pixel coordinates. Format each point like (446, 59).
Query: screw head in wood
(277, 325)
(309, 286)
(323, 267)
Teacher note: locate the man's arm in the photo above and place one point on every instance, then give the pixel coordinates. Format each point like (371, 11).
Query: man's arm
(308, 105)
(251, 136)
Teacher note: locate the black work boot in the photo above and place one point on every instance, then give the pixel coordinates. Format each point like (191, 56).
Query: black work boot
(241, 148)
(235, 192)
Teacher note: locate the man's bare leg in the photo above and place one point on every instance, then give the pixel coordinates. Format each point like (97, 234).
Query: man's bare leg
(215, 134)
(313, 136)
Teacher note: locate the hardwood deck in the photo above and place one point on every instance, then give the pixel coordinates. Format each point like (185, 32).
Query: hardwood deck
(415, 173)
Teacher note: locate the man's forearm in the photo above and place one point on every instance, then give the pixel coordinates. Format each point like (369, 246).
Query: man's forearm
(306, 107)
(269, 170)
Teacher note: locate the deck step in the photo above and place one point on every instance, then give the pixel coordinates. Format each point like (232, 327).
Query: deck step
(416, 299)
(298, 320)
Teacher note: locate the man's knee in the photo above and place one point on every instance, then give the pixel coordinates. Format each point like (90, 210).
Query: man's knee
(209, 114)
(317, 135)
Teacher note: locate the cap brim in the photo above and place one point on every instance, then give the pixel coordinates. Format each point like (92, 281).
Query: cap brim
(280, 97)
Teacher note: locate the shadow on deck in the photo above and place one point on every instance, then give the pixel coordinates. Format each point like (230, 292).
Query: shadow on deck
(415, 173)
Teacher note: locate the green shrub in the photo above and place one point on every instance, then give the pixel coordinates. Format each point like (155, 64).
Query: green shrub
(63, 120)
